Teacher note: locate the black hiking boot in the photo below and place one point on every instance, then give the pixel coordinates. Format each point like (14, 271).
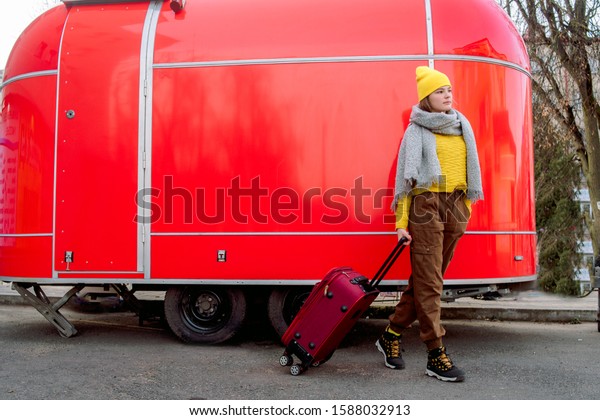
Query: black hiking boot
(389, 345)
(440, 366)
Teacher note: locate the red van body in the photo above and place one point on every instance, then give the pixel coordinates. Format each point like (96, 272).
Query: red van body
(237, 143)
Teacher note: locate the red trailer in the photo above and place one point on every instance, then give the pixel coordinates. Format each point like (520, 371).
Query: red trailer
(211, 148)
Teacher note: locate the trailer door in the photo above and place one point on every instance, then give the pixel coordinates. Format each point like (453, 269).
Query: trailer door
(98, 158)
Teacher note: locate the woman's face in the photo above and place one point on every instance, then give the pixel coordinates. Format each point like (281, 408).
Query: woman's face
(441, 99)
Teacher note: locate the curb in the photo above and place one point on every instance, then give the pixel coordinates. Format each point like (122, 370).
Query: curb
(529, 315)
(530, 309)
(18, 300)
(574, 316)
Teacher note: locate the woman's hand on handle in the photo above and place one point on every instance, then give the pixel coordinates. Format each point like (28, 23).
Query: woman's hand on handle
(403, 233)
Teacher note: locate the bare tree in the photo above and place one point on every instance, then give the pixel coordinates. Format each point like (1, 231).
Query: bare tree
(563, 40)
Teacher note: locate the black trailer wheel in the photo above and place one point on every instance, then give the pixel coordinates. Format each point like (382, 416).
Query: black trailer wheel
(284, 304)
(204, 314)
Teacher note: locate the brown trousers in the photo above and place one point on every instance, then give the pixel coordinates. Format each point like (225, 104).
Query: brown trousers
(436, 223)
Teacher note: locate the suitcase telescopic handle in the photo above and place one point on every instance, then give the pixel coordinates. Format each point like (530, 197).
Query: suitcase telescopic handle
(389, 261)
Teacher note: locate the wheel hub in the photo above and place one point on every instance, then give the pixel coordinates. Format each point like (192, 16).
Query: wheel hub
(206, 305)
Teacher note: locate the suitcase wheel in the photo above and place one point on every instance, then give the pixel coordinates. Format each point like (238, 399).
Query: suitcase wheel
(297, 369)
(286, 360)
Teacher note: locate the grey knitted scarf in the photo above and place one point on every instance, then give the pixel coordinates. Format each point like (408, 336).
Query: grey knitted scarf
(418, 164)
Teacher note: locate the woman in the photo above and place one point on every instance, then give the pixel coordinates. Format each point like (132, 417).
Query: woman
(437, 179)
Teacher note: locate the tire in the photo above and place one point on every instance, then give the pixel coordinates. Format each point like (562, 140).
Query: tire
(284, 303)
(204, 314)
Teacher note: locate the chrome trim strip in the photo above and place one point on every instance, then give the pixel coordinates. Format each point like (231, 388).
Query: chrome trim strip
(25, 235)
(498, 232)
(491, 280)
(340, 59)
(24, 76)
(429, 28)
(242, 282)
(54, 203)
(115, 273)
(487, 60)
(85, 2)
(145, 130)
(268, 233)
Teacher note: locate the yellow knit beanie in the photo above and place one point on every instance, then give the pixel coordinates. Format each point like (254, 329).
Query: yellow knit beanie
(428, 80)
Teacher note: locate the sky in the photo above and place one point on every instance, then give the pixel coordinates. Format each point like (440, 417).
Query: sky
(15, 16)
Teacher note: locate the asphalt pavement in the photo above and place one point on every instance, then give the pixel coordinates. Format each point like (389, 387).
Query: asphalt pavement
(113, 357)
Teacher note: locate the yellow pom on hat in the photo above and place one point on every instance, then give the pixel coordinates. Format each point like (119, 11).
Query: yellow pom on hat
(428, 80)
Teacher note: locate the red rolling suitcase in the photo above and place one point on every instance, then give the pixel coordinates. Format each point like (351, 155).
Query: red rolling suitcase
(333, 307)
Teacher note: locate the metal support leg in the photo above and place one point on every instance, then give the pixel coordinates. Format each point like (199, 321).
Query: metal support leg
(40, 301)
(144, 309)
(128, 296)
(134, 303)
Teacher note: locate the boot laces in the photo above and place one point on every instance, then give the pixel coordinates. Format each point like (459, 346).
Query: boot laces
(392, 347)
(445, 360)
(395, 348)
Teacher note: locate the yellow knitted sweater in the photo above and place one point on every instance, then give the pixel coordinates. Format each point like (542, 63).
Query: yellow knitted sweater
(452, 154)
